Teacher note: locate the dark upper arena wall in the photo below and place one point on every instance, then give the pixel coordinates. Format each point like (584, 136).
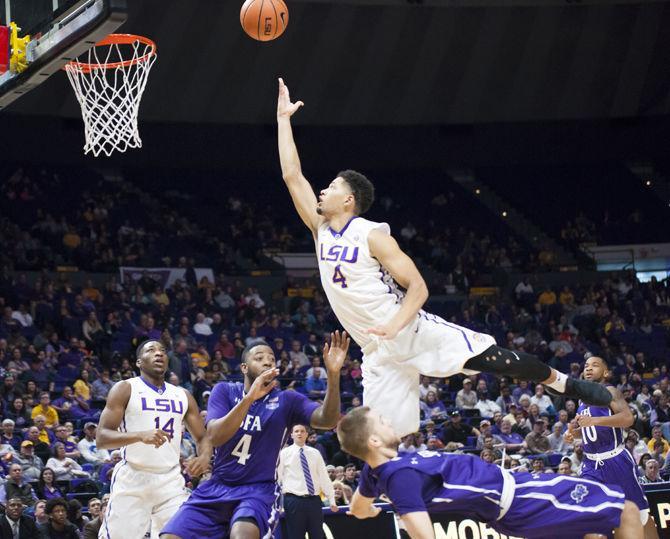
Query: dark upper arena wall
(395, 63)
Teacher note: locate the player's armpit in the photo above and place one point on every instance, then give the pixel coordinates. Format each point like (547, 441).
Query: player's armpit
(418, 525)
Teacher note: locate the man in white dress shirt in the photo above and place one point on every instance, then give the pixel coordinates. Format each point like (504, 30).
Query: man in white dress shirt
(303, 476)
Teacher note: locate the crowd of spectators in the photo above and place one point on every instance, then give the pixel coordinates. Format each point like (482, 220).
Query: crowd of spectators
(100, 223)
(603, 230)
(73, 217)
(429, 229)
(62, 348)
(633, 213)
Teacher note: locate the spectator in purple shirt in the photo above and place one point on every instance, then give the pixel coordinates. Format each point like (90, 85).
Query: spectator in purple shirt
(46, 488)
(71, 357)
(433, 408)
(71, 406)
(8, 435)
(71, 449)
(513, 441)
(105, 472)
(521, 389)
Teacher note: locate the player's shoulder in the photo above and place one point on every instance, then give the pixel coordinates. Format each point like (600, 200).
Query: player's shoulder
(227, 389)
(366, 225)
(175, 389)
(397, 464)
(284, 395)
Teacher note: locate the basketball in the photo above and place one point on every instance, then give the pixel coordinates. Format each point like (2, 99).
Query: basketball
(264, 20)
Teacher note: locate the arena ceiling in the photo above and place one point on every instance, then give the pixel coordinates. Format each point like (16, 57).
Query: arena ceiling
(396, 63)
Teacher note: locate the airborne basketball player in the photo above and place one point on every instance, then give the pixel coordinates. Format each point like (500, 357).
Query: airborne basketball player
(360, 264)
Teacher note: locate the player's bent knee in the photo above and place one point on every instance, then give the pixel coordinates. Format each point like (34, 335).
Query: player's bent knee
(244, 529)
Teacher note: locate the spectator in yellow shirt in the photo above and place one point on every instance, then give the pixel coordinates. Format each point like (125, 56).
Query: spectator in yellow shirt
(82, 387)
(90, 291)
(71, 239)
(548, 297)
(657, 436)
(44, 435)
(566, 297)
(44, 408)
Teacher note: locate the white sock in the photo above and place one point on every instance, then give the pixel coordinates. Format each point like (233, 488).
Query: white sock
(559, 383)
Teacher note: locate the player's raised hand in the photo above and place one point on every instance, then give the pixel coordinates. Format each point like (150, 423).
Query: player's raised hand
(156, 437)
(263, 384)
(569, 436)
(197, 466)
(335, 353)
(285, 108)
(370, 511)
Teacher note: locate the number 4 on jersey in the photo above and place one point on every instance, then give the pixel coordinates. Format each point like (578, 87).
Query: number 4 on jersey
(242, 449)
(338, 277)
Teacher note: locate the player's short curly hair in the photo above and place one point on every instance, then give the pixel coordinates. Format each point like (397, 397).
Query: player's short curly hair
(140, 347)
(362, 189)
(354, 430)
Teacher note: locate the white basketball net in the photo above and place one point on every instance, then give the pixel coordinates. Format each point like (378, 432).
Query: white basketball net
(110, 95)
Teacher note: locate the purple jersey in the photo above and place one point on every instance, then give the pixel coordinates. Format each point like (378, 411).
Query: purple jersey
(437, 483)
(561, 507)
(251, 455)
(599, 439)
(618, 469)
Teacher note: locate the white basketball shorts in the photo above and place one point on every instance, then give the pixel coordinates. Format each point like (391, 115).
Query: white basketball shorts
(141, 500)
(429, 346)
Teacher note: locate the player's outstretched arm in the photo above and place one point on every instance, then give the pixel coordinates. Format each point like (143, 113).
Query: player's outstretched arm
(224, 428)
(622, 416)
(327, 415)
(108, 435)
(418, 525)
(301, 191)
(197, 466)
(387, 251)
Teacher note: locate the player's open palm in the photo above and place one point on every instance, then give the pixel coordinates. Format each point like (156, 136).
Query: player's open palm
(263, 384)
(335, 353)
(284, 106)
